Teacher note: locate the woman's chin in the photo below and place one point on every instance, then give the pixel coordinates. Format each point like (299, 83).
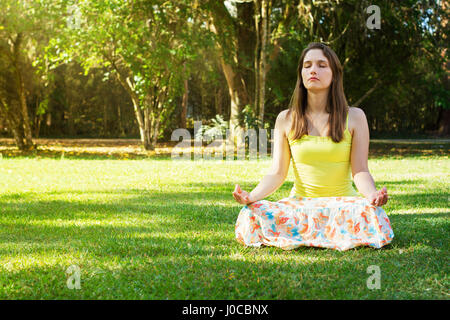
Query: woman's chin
(315, 89)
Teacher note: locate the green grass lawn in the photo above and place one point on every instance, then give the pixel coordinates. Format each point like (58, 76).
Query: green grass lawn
(163, 229)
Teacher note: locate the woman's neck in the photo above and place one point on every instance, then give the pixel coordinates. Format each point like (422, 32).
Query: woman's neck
(317, 102)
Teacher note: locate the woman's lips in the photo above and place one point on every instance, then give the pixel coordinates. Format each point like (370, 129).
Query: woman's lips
(313, 79)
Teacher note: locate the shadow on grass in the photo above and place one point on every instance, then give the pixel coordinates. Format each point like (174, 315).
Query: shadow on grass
(153, 217)
(419, 201)
(211, 198)
(379, 149)
(148, 246)
(135, 270)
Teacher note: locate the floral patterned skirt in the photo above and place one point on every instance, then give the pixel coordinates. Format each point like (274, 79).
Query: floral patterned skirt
(339, 223)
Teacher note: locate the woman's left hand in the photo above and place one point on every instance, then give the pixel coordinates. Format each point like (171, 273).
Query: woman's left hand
(379, 197)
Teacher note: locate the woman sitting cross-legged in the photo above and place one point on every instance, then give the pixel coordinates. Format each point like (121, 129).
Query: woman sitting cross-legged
(328, 142)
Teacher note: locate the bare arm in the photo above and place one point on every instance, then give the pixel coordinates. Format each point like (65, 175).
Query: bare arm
(280, 163)
(359, 161)
(278, 171)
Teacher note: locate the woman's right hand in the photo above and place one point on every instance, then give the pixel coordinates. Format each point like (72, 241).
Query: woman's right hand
(241, 196)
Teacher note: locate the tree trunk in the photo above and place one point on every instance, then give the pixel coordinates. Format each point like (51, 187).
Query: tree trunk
(220, 21)
(263, 59)
(444, 122)
(444, 114)
(14, 122)
(218, 101)
(37, 125)
(37, 121)
(368, 92)
(148, 143)
(155, 125)
(18, 135)
(142, 119)
(70, 120)
(26, 119)
(105, 119)
(238, 97)
(20, 87)
(129, 87)
(184, 102)
(119, 121)
(157, 106)
(257, 53)
(283, 25)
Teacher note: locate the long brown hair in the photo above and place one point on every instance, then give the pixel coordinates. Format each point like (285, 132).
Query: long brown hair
(337, 103)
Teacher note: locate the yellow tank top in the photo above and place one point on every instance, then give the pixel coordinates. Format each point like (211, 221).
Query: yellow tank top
(321, 166)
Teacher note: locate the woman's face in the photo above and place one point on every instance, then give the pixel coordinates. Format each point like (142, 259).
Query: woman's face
(316, 65)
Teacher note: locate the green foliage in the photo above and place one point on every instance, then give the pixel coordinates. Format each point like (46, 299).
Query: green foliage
(148, 46)
(158, 44)
(43, 106)
(248, 118)
(217, 129)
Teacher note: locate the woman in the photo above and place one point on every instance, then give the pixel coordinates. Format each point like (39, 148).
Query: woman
(327, 140)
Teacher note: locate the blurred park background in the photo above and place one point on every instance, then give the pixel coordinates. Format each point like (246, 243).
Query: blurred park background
(141, 69)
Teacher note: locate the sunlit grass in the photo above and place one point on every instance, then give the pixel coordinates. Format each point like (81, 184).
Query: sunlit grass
(157, 229)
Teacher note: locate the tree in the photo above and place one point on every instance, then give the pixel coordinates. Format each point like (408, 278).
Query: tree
(144, 44)
(20, 21)
(443, 98)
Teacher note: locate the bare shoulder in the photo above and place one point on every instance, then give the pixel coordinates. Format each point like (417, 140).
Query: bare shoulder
(283, 115)
(355, 117)
(283, 121)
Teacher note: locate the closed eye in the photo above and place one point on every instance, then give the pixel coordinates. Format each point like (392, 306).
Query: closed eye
(322, 66)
